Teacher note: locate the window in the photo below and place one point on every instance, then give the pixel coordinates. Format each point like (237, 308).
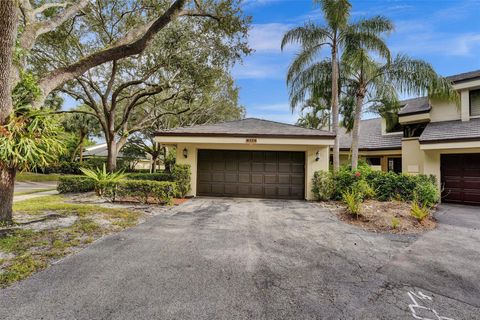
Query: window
(475, 102)
(373, 161)
(413, 130)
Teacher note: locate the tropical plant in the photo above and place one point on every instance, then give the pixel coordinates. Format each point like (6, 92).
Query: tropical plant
(335, 35)
(353, 201)
(103, 178)
(30, 139)
(418, 211)
(379, 83)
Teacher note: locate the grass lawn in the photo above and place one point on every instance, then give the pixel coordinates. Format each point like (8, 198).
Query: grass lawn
(36, 177)
(30, 247)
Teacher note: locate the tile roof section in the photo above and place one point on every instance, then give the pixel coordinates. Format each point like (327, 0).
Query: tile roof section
(455, 130)
(464, 76)
(414, 106)
(371, 137)
(249, 127)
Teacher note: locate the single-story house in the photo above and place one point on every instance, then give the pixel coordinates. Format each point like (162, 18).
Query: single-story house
(251, 158)
(101, 151)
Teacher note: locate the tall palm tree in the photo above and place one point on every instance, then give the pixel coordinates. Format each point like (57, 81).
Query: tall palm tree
(378, 83)
(334, 35)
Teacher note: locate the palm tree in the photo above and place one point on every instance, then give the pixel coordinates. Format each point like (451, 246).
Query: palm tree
(378, 84)
(334, 35)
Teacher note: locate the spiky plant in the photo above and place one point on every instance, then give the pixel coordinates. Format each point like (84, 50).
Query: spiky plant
(103, 178)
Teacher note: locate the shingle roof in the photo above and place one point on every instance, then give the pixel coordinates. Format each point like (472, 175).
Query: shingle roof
(464, 76)
(414, 106)
(455, 130)
(98, 151)
(249, 127)
(371, 137)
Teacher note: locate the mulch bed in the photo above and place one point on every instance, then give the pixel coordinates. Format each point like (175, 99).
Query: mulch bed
(377, 216)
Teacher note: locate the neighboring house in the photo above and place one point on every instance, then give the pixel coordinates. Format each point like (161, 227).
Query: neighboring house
(251, 158)
(101, 151)
(437, 137)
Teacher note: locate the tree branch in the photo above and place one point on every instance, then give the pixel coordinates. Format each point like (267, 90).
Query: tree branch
(58, 77)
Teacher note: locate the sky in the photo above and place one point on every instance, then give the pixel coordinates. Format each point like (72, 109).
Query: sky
(445, 33)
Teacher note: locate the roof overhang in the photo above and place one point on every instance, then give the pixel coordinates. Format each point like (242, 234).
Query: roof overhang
(450, 144)
(244, 139)
(414, 117)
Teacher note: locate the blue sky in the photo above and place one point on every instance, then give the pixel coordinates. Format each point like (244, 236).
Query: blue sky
(445, 33)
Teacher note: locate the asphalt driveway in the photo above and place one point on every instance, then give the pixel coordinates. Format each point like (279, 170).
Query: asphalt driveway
(261, 259)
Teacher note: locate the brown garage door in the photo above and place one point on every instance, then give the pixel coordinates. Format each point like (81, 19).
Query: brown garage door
(461, 178)
(258, 174)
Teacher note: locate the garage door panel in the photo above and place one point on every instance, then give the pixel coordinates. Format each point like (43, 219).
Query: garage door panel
(257, 167)
(270, 191)
(218, 176)
(298, 168)
(244, 177)
(231, 177)
(244, 167)
(461, 178)
(261, 174)
(270, 178)
(205, 176)
(284, 179)
(257, 178)
(271, 167)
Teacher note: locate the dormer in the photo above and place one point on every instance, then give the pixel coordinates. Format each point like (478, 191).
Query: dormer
(468, 86)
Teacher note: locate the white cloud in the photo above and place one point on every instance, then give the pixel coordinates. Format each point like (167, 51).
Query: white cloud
(280, 112)
(268, 37)
(258, 3)
(261, 67)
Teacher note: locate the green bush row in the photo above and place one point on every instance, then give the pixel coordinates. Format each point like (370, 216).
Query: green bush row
(382, 186)
(143, 191)
(157, 176)
(140, 190)
(69, 184)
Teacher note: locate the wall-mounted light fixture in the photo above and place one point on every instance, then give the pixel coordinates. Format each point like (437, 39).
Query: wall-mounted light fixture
(317, 156)
(185, 152)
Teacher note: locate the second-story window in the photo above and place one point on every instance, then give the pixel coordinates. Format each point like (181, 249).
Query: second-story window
(475, 102)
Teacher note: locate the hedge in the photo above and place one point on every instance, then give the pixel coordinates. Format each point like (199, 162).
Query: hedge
(157, 176)
(143, 191)
(68, 184)
(382, 186)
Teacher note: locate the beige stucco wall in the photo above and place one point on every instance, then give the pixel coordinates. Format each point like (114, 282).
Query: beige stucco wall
(310, 154)
(412, 156)
(444, 111)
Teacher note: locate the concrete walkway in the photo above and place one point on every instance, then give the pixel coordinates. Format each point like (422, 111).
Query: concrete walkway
(30, 190)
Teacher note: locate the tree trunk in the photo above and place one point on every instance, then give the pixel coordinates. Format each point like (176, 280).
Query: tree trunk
(111, 155)
(356, 130)
(8, 33)
(7, 185)
(335, 120)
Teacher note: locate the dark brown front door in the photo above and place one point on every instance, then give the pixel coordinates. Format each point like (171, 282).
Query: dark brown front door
(461, 178)
(257, 174)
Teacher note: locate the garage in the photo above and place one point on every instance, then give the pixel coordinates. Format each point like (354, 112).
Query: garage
(250, 158)
(461, 178)
(255, 174)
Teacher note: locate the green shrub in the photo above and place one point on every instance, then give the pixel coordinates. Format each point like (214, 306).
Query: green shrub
(103, 179)
(343, 181)
(182, 176)
(364, 190)
(395, 222)
(323, 185)
(157, 176)
(144, 190)
(353, 201)
(419, 212)
(426, 193)
(68, 184)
